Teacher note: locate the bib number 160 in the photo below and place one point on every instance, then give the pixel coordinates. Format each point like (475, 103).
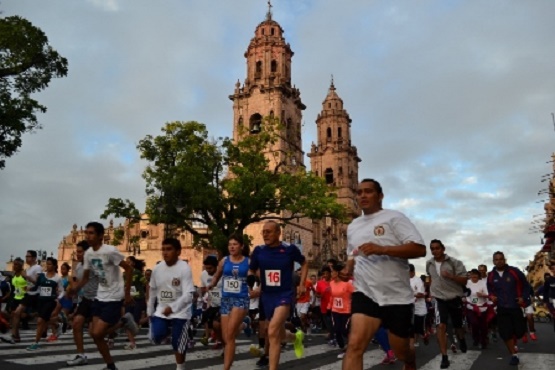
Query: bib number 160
(273, 278)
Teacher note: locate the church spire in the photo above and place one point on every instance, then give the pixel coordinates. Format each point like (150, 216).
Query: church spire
(269, 13)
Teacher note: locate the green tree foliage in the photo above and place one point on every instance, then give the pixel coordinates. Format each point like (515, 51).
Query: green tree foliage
(27, 65)
(213, 188)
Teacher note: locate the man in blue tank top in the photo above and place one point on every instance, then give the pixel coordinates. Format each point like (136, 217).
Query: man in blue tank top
(274, 261)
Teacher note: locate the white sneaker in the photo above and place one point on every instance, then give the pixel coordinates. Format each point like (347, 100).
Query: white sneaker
(130, 346)
(78, 360)
(341, 355)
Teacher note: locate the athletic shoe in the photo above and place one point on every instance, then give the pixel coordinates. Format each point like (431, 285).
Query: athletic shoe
(514, 361)
(190, 344)
(262, 362)
(462, 345)
(7, 339)
(52, 338)
(33, 347)
(298, 345)
(78, 360)
(247, 330)
(444, 363)
(416, 344)
(130, 324)
(454, 348)
(341, 354)
(255, 350)
(204, 341)
(217, 345)
(525, 339)
(332, 343)
(533, 336)
(130, 346)
(389, 358)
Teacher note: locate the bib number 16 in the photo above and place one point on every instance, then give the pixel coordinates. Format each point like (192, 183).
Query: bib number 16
(273, 278)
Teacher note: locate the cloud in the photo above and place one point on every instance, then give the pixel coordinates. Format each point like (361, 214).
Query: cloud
(450, 103)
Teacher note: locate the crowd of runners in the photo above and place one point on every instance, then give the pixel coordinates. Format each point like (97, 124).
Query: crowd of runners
(373, 296)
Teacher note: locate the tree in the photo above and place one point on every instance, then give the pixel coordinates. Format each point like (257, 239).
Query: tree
(224, 186)
(27, 65)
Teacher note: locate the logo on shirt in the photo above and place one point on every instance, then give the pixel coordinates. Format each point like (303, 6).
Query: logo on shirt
(175, 282)
(379, 230)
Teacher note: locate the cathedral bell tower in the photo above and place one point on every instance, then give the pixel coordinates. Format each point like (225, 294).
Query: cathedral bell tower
(335, 159)
(267, 92)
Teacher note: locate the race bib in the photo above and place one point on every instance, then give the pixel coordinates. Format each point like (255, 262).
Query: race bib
(45, 291)
(338, 303)
(167, 296)
(133, 290)
(215, 294)
(273, 278)
(232, 285)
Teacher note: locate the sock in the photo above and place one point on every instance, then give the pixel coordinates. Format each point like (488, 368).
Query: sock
(261, 342)
(180, 366)
(444, 357)
(111, 366)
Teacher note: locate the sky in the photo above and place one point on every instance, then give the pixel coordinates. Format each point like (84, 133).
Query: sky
(451, 104)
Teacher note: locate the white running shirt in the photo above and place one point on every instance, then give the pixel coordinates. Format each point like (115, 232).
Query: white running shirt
(104, 263)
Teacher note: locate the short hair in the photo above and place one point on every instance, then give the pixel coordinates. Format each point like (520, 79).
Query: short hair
(333, 261)
(338, 267)
(237, 237)
(499, 252)
(325, 269)
(411, 267)
(210, 261)
(173, 242)
(83, 244)
(474, 271)
(66, 265)
(482, 266)
(275, 223)
(377, 185)
(32, 253)
(438, 242)
(18, 260)
(97, 226)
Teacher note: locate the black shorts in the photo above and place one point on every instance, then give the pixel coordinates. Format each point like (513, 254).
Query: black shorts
(84, 308)
(262, 312)
(14, 303)
(137, 308)
(511, 322)
(30, 302)
(109, 312)
(210, 315)
(395, 318)
(453, 308)
(45, 309)
(419, 325)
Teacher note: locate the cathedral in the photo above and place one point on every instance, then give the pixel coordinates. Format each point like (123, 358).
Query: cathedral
(267, 91)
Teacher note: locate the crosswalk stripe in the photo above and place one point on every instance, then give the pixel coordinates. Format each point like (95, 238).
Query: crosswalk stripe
(459, 361)
(66, 345)
(536, 361)
(167, 359)
(372, 357)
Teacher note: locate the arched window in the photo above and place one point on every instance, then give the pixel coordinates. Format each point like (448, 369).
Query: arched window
(289, 122)
(272, 114)
(328, 134)
(272, 31)
(339, 132)
(240, 122)
(329, 105)
(255, 123)
(263, 31)
(258, 70)
(329, 176)
(273, 66)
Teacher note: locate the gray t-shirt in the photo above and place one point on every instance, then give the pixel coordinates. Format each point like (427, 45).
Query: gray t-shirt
(89, 290)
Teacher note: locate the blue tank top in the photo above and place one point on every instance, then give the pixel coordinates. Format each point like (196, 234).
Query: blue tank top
(234, 279)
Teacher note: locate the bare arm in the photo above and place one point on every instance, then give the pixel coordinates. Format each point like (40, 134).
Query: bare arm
(217, 275)
(407, 250)
(128, 277)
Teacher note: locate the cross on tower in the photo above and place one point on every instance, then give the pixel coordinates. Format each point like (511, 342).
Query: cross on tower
(269, 14)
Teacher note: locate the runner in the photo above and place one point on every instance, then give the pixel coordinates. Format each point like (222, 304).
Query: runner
(448, 277)
(303, 305)
(213, 300)
(171, 287)
(30, 300)
(138, 308)
(340, 305)
(420, 309)
(476, 308)
(549, 291)
(19, 285)
(324, 293)
(5, 298)
(379, 244)
(86, 296)
(275, 262)
(234, 308)
(529, 312)
(105, 261)
(509, 288)
(49, 286)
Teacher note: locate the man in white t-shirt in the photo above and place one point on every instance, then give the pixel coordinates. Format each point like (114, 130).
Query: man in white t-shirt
(380, 242)
(420, 309)
(104, 261)
(171, 286)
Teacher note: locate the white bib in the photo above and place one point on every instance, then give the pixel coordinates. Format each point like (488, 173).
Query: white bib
(273, 278)
(232, 285)
(167, 296)
(215, 293)
(45, 291)
(338, 303)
